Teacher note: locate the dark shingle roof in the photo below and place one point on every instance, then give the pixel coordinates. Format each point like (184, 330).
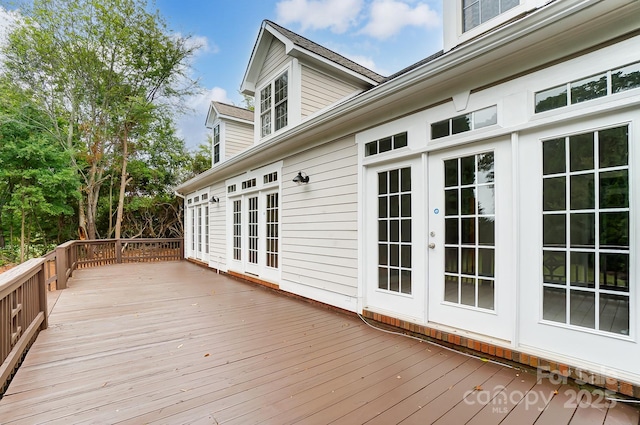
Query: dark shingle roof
(234, 111)
(415, 65)
(326, 53)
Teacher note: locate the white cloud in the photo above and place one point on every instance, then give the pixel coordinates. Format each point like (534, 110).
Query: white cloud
(388, 17)
(190, 126)
(337, 15)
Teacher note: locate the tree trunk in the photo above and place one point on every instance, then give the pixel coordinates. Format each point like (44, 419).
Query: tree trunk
(123, 186)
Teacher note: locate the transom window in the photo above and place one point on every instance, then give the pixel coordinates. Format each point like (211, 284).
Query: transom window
(470, 231)
(386, 144)
(476, 12)
(471, 121)
(585, 221)
(274, 106)
(216, 144)
(593, 87)
(394, 230)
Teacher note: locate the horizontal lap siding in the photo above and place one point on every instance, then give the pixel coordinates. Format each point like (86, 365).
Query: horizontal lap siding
(238, 137)
(319, 219)
(276, 57)
(320, 90)
(217, 228)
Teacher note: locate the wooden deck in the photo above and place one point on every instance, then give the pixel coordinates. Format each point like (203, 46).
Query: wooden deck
(173, 343)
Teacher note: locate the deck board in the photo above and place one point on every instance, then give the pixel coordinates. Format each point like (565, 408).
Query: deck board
(175, 343)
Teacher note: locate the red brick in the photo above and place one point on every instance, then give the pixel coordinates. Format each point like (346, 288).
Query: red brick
(524, 358)
(563, 369)
(485, 348)
(476, 345)
(456, 340)
(508, 354)
(626, 388)
(470, 343)
(533, 361)
(499, 351)
(492, 350)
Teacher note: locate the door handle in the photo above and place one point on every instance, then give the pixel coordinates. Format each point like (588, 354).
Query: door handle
(432, 245)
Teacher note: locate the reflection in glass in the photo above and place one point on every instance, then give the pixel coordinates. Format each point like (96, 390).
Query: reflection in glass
(405, 282)
(486, 294)
(486, 168)
(394, 255)
(614, 189)
(382, 183)
(583, 230)
(451, 231)
(581, 152)
(614, 313)
(468, 201)
(614, 147)
(485, 117)
(553, 156)
(384, 145)
(468, 231)
(551, 99)
(555, 304)
(625, 78)
(383, 256)
(405, 177)
(451, 173)
(468, 291)
(614, 272)
(440, 129)
(589, 88)
(486, 200)
(461, 124)
(394, 280)
(486, 261)
(582, 310)
(393, 181)
(554, 196)
(614, 230)
(451, 260)
(582, 269)
(486, 231)
(554, 230)
(468, 260)
(451, 202)
(451, 288)
(467, 170)
(554, 267)
(582, 192)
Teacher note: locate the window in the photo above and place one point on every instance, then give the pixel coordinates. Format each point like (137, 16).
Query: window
(216, 144)
(231, 188)
(460, 124)
(585, 230)
(470, 231)
(272, 230)
(476, 12)
(394, 230)
(270, 178)
(273, 106)
(249, 183)
(237, 230)
(384, 145)
(593, 87)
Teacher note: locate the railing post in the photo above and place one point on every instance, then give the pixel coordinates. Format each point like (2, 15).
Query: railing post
(118, 251)
(42, 294)
(61, 267)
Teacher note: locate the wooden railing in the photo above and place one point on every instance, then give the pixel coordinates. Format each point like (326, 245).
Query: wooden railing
(23, 289)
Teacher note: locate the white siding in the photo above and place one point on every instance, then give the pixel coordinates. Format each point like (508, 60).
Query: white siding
(276, 57)
(320, 90)
(218, 227)
(319, 219)
(238, 137)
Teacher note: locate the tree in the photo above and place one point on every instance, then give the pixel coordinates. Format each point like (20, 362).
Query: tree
(108, 69)
(34, 172)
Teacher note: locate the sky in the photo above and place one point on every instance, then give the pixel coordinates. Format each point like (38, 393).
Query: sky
(382, 35)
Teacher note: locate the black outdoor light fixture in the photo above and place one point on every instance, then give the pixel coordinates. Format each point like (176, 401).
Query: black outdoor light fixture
(213, 200)
(301, 178)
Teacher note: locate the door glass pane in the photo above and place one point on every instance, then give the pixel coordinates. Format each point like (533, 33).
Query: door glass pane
(587, 246)
(237, 230)
(272, 225)
(469, 269)
(394, 230)
(253, 230)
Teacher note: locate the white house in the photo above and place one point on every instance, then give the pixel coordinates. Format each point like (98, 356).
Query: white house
(484, 196)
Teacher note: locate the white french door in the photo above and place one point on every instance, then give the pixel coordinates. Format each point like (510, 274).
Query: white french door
(394, 273)
(255, 237)
(471, 249)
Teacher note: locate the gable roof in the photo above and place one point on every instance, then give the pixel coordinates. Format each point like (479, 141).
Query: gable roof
(232, 112)
(299, 46)
(309, 45)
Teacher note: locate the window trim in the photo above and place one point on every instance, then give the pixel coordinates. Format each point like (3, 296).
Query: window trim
(216, 142)
(268, 108)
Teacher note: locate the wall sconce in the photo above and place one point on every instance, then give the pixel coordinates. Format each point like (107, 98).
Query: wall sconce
(213, 200)
(301, 178)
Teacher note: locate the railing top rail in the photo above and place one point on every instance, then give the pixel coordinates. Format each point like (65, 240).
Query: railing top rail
(18, 274)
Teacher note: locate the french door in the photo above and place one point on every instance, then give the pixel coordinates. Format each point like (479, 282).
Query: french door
(394, 273)
(471, 249)
(255, 247)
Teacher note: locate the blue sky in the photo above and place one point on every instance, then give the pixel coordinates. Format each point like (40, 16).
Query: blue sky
(383, 35)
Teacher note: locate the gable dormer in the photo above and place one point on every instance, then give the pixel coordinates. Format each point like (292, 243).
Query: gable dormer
(467, 19)
(292, 78)
(231, 130)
